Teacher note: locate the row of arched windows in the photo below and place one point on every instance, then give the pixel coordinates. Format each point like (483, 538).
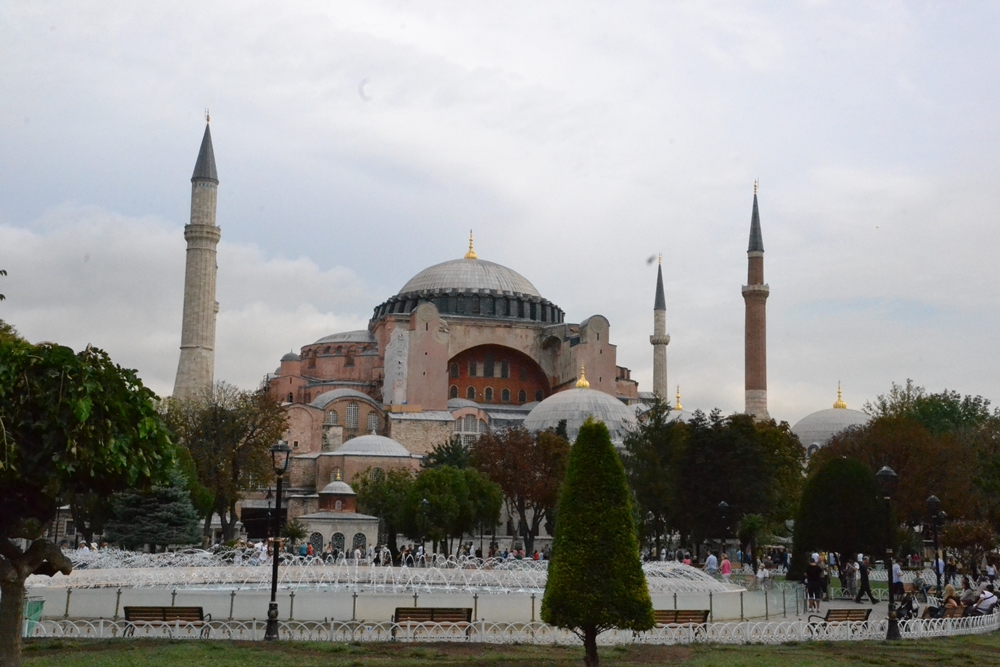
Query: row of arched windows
(489, 396)
(352, 418)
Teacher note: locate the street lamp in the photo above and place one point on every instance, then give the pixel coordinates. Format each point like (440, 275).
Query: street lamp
(937, 519)
(723, 511)
(887, 480)
(280, 454)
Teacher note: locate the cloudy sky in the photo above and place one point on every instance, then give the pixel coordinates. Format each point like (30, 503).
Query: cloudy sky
(357, 143)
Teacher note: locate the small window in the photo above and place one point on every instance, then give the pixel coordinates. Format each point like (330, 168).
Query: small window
(291, 397)
(352, 415)
(472, 369)
(338, 505)
(331, 419)
(454, 370)
(470, 393)
(539, 395)
(453, 392)
(488, 394)
(505, 395)
(488, 366)
(376, 475)
(295, 444)
(372, 424)
(524, 373)
(522, 396)
(504, 369)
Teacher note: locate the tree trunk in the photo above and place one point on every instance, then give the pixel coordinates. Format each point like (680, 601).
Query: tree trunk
(11, 614)
(590, 647)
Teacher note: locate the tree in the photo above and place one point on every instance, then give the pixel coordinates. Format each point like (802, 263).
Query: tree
(160, 516)
(71, 423)
(452, 453)
(457, 502)
(970, 539)
(595, 580)
(384, 496)
(654, 452)
(295, 531)
(841, 510)
(751, 531)
(91, 512)
(228, 434)
(528, 469)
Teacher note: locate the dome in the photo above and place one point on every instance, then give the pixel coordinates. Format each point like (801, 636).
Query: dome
(575, 405)
(328, 397)
(372, 445)
(337, 487)
(360, 336)
(815, 430)
(291, 356)
(464, 275)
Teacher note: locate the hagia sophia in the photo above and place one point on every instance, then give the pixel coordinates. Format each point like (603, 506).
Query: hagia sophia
(465, 347)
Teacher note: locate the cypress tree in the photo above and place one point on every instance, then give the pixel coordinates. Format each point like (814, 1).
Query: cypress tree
(595, 578)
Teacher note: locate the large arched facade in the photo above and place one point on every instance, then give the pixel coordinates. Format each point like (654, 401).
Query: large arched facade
(489, 374)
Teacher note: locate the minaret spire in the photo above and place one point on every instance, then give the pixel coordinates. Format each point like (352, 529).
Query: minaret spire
(660, 338)
(196, 368)
(755, 294)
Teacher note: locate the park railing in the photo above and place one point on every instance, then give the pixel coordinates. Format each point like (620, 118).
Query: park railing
(754, 632)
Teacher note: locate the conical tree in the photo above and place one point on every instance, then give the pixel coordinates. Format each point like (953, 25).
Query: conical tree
(595, 579)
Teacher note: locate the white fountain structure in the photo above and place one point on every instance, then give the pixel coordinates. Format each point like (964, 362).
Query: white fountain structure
(244, 569)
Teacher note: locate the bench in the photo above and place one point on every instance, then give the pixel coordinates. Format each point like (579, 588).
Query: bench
(680, 616)
(441, 615)
(949, 612)
(167, 615)
(843, 615)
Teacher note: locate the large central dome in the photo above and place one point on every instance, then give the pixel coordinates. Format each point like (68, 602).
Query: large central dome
(469, 275)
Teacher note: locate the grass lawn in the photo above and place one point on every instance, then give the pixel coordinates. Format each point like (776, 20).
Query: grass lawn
(967, 650)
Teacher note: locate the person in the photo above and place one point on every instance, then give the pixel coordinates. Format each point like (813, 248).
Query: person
(991, 572)
(968, 596)
(986, 602)
(726, 568)
(711, 563)
(851, 574)
(309, 549)
(814, 582)
(865, 588)
(687, 559)
(897, 579)
(763, 574)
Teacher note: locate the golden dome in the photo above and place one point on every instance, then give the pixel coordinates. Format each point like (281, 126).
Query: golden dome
(839, 405)
(472, 253)
(582, 382)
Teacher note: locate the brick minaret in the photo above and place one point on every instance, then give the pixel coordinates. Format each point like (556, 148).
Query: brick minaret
(660, 338)
(755, 294)
(196, 369)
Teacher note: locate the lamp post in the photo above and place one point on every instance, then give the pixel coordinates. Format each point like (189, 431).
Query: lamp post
(280, 454)
(887, 480)
(937, 518)
(723, 511)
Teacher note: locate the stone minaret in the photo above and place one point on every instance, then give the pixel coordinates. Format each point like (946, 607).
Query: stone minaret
(755, 294)
(196, 369)
(660, 338)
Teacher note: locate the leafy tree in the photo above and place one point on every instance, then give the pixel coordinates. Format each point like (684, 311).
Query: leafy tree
(842, 510)
(528, 468)
(595, 580)
(160, 516)
(944, 412)
(452, 453)
(71, 423)
(970, 539)
(384, 497)
(654, 452)
(228, 433)
(457, 502)
(295, 531)
(91, 511)
(752, 530)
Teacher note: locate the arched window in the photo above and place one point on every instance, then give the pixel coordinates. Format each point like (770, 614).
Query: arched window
(339, 505)
(539, 395)
(522, 396)
(505, 395)
(360, 542)
(453, 369)
(453, 392)
(468, 428)
(352, 415)
(331, 418)
(376, 475)
(291, 397)
(372, 424)
(488, 394)
(337, 542)
(316, 540)
(470, 393)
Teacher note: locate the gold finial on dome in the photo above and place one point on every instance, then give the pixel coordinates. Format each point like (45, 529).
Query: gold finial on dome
(839, 405)
(472, 253)
(338, 478)
(582, 382)
(678, 399)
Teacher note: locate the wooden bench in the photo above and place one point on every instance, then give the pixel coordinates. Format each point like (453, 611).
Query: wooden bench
(949, 612)
(167, 615)
(680, 616)
(441, 615)
(843, 615)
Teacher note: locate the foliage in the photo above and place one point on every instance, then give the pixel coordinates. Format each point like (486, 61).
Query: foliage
(595, 580)
(841, 510)
(452, 453)
(160, 516)
(458, 501)
(228, 433)
(944, 412)
(70, 423)
(528, 468)
(295, 531)
(970, 539)
(752, 531)
(384, 497)
(91, 511)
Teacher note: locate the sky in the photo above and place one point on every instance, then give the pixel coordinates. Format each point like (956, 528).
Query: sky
(359, 142)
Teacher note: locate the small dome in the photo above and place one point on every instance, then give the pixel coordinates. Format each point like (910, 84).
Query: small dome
(360, 336)
(819, 427)
(463, 275)
(328, 397)
(575, 405)
(372, 445)
(291, 356)
(338, 488)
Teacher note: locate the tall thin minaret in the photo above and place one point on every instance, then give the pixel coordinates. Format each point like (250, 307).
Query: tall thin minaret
(660, 338)
(196, 369)
(755, 294)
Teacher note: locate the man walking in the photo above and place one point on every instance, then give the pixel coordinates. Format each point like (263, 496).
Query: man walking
(865, 587)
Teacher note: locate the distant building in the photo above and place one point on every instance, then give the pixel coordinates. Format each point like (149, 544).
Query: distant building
(817, 429)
